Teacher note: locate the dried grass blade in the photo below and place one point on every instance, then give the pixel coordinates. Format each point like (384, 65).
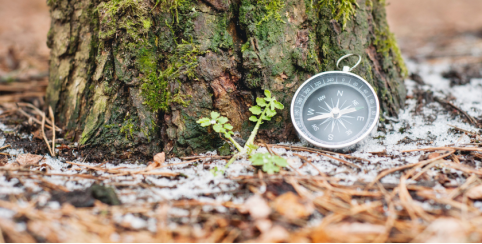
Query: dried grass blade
(51, 112)
(44, 136)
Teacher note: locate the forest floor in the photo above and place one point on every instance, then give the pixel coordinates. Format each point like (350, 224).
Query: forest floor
(418, 179)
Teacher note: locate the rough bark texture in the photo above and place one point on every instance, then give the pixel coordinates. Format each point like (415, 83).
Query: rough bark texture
(136, 74)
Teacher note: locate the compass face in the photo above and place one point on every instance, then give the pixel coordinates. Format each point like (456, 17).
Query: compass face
(335, 109)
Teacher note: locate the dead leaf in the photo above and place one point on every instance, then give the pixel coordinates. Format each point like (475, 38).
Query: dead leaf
(257, 207)
(475, 193)
(25, 159)
(433, 155)
(263, 225)
(444, 230)
(347, 232)
(292, 206)
(160, 158)
(275, 234)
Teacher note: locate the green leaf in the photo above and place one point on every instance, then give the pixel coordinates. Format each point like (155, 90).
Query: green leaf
(204, 124)
(267, 94)
(253, 118)
(228, 127)
(215, 171)
(222, 120)
(255, 110)
(266, 118)
(214, 115)
(270, 168)
(270, 113)
(203, 120)
(278, 105)
(280, 161)
(227, 135)
(261, 102)
(218, 127)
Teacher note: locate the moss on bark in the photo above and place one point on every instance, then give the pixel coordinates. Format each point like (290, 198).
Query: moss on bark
(137, 74)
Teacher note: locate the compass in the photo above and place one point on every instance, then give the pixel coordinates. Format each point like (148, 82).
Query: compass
(335, 109)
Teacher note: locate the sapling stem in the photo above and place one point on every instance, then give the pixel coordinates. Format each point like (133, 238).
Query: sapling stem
(232, 160)
(239, 147)
(255, 130)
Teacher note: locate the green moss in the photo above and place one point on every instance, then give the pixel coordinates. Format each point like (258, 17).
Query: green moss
(273, 9)
(341, 9)
(128, 128)
(385, 42)
(127, 15)
(175, 6)
(155, 84)
(221, 37)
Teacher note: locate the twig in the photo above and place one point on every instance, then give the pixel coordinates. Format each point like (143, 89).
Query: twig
(40, 113)
(44, 136)
(392, 170)
(315, 150)
(470, 118)
(17, 97)
(461, 188)
(16, 77)
(445, 148)
(51, 112)
(7, 146)
(201, 157)
(466, 131)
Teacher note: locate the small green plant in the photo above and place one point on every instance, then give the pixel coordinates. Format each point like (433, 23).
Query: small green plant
(263, 111)
(270, 163)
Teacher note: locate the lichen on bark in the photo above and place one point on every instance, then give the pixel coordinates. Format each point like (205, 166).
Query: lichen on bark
(137, 74)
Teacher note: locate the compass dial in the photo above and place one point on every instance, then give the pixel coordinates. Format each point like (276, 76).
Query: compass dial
(335, 109)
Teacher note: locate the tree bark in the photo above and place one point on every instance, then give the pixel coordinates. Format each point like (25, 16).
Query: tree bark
(136, 74)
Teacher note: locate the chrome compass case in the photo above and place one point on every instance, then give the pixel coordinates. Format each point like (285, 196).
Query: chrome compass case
(335, 109)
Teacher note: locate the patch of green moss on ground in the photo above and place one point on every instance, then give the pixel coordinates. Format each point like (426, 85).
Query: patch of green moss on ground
(340, 9)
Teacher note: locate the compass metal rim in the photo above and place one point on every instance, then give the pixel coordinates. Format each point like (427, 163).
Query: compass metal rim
(345, 145)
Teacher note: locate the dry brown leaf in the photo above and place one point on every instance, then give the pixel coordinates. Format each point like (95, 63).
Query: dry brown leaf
(257, 207)
(347, 232)
(263, 225)
(160, 158)
(25, 159)
(445, 230)
(475, 193)
(275, 234)
(292, 206)
(433, 155)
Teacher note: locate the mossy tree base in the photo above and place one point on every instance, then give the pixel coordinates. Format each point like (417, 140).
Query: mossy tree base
(137, 74)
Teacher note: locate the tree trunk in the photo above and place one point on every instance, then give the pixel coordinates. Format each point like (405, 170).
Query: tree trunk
(136, 74)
